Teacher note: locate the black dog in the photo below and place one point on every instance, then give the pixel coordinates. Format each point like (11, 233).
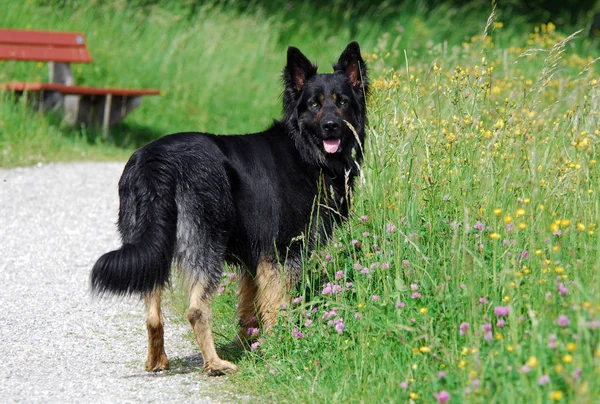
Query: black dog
(196, 200)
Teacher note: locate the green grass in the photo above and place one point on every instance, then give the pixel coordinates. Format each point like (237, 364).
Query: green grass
(480, 190)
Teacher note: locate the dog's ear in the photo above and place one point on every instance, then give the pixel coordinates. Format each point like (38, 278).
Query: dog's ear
(298, 70)
(351, 63)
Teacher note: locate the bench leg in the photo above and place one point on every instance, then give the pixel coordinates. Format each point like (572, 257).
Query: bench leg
(106, 116)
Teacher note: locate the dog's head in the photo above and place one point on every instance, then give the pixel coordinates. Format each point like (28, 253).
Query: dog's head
(326, 112)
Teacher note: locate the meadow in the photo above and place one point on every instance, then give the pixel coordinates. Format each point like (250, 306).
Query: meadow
(469, 268)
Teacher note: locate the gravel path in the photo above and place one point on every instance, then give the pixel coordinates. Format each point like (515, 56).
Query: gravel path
(57, 343)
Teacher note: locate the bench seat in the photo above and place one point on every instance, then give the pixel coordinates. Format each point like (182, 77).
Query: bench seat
(80, 104)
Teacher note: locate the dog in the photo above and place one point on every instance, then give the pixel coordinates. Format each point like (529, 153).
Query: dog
(195, 201)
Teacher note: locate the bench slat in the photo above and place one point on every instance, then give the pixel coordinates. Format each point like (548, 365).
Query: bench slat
(42, 38)
(41, 54)
(77, 90)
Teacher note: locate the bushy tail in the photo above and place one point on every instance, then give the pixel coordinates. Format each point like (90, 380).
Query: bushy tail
(148, 224)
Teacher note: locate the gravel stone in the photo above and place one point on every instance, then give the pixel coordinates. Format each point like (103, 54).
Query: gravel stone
(59, 344)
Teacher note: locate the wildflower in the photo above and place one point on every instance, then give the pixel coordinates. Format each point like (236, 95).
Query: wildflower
(390, 228)
(339, 325)
(441, 374)
(413, 395)
(363, 219)
(571, 347)
(567, 358)
(562, 289)
(405, 263)
(502, 310)
(355, 244)
(404, 385)
(488, 336)
(467, 391)
(252, 332)
(327, 290)
(297, 299)
(339, 275)
(349, 285)
(425, 349)
(414, 286)
(416, 295)
(336, 289)
(525, 369)
(357, 315)
(577, 373)
(463, 286)
(374, 298)
(296, 333)
(400, 305)
(443, 396)
(483, 300)
(532, 362)
(497, 211)
(254, 346)
(308, 322)
(562, 320)
(423, 310)
(552, 341)
(330, 314)
(475, 383)
(464, 327)
(494, 236)
(487, 327)
(543, 380)
(500, 323)
(364, 271)
(556, 395)
(478, 226)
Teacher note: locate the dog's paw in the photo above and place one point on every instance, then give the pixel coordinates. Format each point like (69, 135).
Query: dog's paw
(219, 367)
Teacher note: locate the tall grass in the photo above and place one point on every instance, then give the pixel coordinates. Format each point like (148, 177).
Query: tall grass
(469, 267)
(219, 67)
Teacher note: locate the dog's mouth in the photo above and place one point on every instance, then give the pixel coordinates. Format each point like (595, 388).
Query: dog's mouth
(331, 145)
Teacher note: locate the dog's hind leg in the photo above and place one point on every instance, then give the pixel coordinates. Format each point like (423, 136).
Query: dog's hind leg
(199, 315)
(270, 293)
(246, 309)
(157, 359)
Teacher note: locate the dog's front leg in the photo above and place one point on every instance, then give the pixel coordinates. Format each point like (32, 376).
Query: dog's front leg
(271, 293)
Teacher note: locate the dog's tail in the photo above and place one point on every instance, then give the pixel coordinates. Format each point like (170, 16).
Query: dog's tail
(148, 225)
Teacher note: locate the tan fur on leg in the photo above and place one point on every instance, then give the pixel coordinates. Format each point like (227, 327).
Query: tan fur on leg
(246, 309)
(270, 294)
(157, 359)
(199, 316)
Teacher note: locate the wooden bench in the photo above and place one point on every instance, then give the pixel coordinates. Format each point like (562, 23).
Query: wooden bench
(79, 104)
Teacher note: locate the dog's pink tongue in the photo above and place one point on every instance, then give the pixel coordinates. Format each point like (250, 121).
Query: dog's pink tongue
(331, 145)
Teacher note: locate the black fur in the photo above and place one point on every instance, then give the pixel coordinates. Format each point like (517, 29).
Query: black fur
(197, 200)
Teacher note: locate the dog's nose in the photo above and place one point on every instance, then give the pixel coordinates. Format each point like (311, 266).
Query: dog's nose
(330, 127)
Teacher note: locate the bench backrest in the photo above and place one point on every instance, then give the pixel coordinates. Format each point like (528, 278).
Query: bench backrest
(43, 46)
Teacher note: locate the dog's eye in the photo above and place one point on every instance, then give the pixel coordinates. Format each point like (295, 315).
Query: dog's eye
(343, 102)
(314, 104)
